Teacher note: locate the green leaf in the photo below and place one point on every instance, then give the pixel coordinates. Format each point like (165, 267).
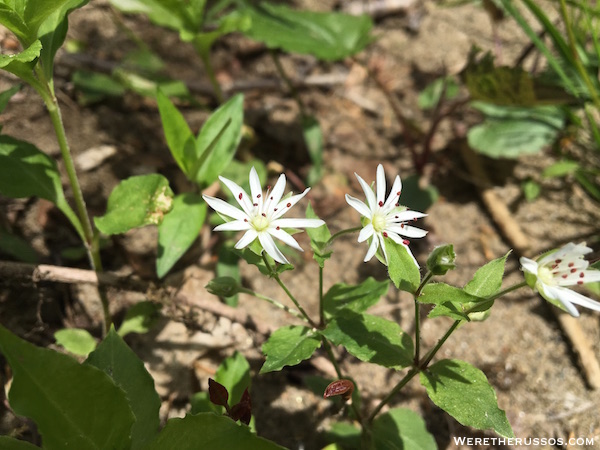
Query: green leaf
(118, 361)
(371, 339)
(167, 13)
(439, 293)
(430, 96)
(464, 392)
(401, 267)
(234, 374)
(416, 197)
(313, 138)
(26, 171)
(179, 230)
(561, 169)
(449, 309)
(289, 345)
(137, 201)
(140, 318)
(76, 340)
(9, 443)
(208, 431)
(488, 279)
(345, 434)
(180, 140)
(200, 403)
(222, 153)
(531, 190)
(319, 238)
(509, 132)
(401, 428)
(7, 95)
(341, 297)
(57, 392)
(328, 36)
(252, 255)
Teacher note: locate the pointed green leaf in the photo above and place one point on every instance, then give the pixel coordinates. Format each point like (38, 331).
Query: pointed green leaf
(139, 318)
(401, 267)
(137, 201)
(464, 392)
(358, 298)
(222, 153)
(401, 428)
(319, 238)
(208, 431)
(75, 340)
(166, 13)
(57, 392)
(328, 36)
(289, 345)
(179, 137)
(371, 339)
(22, 64)
(234, 374)
(9, 443)
(118, 361)
(26, 171)
(561, 169)
(438, 293)
(179, 230)
(448, 309)
(14, 21)
(488, 279)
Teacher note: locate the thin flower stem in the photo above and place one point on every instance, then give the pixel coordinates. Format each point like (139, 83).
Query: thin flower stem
(423, 365)
(341, 233)
(90, 239)
(428, 276)
(287, 291)
(503, 292)
(273, 302)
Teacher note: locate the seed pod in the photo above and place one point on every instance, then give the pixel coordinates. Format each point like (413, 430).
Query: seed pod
(340, 387)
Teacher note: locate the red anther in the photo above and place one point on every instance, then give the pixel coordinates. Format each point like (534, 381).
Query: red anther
(395, 217)
(380, 203)
(581, 275)
(406, 242)
(573, 270)
(558, 261)
(278, 228)
(571, 264)
(255, 204)
(271, 198)
(258, 196)
(564, 276)
(240, 196)
(398, 204)
(245, 220)
(264, 215)
(288, 205)
(384, 234)
(274, 209)
(579, 282)
(401, 225)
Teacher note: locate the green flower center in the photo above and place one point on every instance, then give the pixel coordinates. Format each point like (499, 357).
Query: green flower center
(545, 276)
(259, 223)
(378, 222)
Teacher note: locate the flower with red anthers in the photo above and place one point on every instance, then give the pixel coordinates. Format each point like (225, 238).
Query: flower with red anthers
(385, 218)
(260, 215)
(555, 270)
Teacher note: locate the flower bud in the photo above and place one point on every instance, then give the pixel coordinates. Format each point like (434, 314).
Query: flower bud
(441, 259)
(223, 286)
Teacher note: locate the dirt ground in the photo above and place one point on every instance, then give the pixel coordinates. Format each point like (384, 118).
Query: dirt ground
(521, 347)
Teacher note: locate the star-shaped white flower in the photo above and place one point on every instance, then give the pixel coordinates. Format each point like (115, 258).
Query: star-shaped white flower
(260, 215)
(386, 218)
(559, 268)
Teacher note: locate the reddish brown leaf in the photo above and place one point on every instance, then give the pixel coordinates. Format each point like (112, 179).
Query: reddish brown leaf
(243, 410)
(218, 393)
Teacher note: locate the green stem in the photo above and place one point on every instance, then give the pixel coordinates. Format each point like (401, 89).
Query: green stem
(90, 239)
(273, 302)
(503, 292)
(210, 72)
(428, 276)
(409, 376)
(423, 365)
(321, 305)
(341, 233)
(275, 275)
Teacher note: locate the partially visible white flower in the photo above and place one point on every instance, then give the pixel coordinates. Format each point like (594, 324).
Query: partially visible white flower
(386, 218)
(260, 215)
(559, 268)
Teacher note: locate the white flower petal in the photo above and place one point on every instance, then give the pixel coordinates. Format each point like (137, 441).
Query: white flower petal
(297, 223)
(240, 195)
(236, 225)
(408, 231)
(556, 296)
(566, 295)
(285, 238)
(282, 206)
(372, 249)
(255, 187)
(380, 184)
(269, 245)
(277, 191)
(246, 239)
(407, 215)
(365, 233)
(394, 194)
(224, 208)
(382, 245)
(371, 201)
(528, 265)
(362, 209)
